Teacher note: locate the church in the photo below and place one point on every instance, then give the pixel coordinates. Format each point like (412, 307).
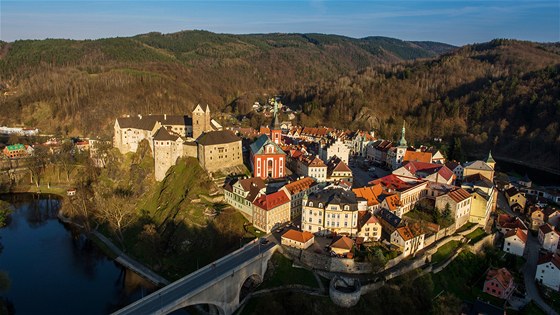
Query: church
(268, 160)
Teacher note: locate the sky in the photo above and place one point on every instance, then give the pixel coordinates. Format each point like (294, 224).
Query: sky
(450, 21)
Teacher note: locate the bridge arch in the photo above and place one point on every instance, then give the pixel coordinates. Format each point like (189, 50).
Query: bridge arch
(212, 304)
(248, 285)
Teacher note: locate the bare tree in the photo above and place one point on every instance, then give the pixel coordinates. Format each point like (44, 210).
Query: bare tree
(37, 163)
(118, 212)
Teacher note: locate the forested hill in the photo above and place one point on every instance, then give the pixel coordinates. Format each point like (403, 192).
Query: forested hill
(503, 95)
(83, 85)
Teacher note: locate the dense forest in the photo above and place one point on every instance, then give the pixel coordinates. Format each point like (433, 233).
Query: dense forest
(501, 95)
(84, 85)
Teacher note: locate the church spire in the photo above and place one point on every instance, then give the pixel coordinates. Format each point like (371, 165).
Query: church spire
(275, 121)
(402, 141)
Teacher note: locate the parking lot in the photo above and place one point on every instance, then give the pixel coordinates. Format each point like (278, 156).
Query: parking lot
(363, 172)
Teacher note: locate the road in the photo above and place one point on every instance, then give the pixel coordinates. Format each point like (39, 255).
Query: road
(529, 271)
(154, 302)
(503, 204)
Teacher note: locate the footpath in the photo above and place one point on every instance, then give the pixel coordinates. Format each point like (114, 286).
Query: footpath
(131, 263)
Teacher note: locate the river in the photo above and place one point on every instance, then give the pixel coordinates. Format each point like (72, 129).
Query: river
(53, 269)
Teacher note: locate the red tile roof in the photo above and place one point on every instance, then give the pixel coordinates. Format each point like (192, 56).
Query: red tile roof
(502, 275)
(298, 236)
(268, 202)
(549, 257)
(391, 181)
(405, 233)
(517, 232)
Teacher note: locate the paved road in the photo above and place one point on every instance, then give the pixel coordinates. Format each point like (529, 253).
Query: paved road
(503, 204)
(529, 274)
(154, 302)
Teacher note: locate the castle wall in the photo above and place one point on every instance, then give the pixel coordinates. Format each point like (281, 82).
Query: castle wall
(215, 157)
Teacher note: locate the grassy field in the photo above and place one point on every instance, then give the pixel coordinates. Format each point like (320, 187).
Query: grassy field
(282, 273)
(476, 235)
(445, 252)
(466, 226)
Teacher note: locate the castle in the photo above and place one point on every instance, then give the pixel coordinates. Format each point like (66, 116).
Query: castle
(173, 136)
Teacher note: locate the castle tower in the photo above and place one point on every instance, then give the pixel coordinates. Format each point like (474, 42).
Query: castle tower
(275, 129)
(200, 121)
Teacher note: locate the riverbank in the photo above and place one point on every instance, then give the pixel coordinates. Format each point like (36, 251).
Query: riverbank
(112, 251)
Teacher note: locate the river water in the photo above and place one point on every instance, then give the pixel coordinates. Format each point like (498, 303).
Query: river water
(55, 270)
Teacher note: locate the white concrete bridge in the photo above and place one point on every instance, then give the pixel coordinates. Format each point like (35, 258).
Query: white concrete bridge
(218, 284)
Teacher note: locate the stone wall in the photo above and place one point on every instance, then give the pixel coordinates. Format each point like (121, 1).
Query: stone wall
(327, 263)
(219, 156)
(348, 297)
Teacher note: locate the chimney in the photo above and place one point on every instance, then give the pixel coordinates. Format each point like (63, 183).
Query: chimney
(164, 116)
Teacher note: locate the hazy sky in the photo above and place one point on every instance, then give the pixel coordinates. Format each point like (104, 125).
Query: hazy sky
(450, 21)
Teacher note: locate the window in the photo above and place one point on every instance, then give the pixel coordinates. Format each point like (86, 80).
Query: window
(311, 204)
(320, 205)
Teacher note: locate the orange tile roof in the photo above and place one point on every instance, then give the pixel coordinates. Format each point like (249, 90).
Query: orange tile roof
(300, 185)
(393, 202)
(405, 233)
(268, 202)
(343, 243)
(298, 236)
(369, 193)
(459, 195)
(425, 157)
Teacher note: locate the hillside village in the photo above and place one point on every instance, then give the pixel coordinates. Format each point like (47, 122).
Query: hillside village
(338, 194)
(333, 197)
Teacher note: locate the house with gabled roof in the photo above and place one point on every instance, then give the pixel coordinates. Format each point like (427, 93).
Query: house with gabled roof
(548, 271)
(393, 204)
(371, 194)
(270, 211)
(297, 239)
(241, 193)
(499, 283)
(456, 168)
(389, 221)
(484, 197)
(296, 190)
(457, 200)
(409, 190)
(417, 156)
(515, 241)
(338, 170)
(342, 245)
(549, 237)
(370, 228)
(506, 223)
(437, 173)
(409, 239)
(516, 199)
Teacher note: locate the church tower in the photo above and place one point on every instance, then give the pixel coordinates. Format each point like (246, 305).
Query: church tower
(401, 148)
(275, 129)
(490, 160)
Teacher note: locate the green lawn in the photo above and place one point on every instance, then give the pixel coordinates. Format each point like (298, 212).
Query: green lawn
(445, 252)
(466, 226)
(476, 235)
(282, 273)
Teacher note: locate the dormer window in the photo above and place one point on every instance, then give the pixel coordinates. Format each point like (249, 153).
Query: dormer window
(347, 207)
(311, 204)
(320, 205)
